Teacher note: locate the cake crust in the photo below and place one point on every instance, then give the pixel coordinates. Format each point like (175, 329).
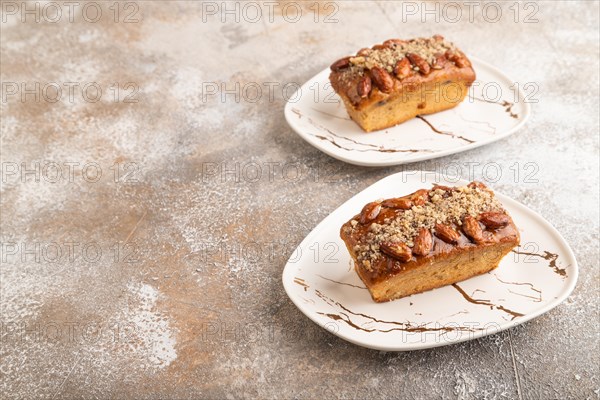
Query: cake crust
(428, 239)
(395, 81)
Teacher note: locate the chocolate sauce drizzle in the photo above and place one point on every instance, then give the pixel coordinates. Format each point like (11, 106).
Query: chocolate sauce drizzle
(379, 149)
(371, 147)
(341, 283)
(301, 282)
(433, 128)
(551, 257)
(338, 317)
(508, 109)
(492, 128)
(330, 115)
(402, 326)
(486, 303)
(506, 104)
(537, 298)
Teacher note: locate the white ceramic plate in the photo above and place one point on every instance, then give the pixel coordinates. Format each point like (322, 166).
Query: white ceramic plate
(319, 278)
(494, 109)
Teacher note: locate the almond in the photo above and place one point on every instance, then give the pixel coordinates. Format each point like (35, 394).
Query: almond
(461, 62)
(392, 43)
(477, 184)
(419, 62)
(446, 233)
(340, 64)
(439, 62)
(379, 47)
(399, 251)
(370, 212)
(382, 79)
(494, 220)
(457, 59)
(364, 51)
(353, 95)
(398, 202)
(472, 229)
(420, 197)
(364, 87)
(442, 187)
(402, 68)
(423, 242)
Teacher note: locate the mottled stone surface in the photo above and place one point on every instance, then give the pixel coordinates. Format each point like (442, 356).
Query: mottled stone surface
(162, 277)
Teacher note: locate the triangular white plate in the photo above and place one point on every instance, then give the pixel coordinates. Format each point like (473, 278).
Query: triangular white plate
(319, 278)
(494, 109)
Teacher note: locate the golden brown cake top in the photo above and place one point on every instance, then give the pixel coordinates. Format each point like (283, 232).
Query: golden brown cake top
(387, 55)
(388, 65)
(391, 51)
(402, 227)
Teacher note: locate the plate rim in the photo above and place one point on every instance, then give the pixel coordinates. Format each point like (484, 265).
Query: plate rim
(570, 286)
(291, 121)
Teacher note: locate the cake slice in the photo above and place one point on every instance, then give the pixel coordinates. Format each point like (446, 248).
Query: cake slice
(395, 81)
(428, 239)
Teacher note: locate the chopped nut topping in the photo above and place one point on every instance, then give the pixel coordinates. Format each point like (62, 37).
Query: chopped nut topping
(443, 206)
(386, 57)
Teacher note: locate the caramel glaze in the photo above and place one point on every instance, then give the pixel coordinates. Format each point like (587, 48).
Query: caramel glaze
(387, 267)
(448, 73)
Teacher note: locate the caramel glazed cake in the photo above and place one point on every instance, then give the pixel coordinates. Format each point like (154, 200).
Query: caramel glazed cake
(428, 239)
(399, 79)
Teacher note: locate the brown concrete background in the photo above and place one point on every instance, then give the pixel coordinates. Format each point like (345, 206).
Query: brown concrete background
(185, 299)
